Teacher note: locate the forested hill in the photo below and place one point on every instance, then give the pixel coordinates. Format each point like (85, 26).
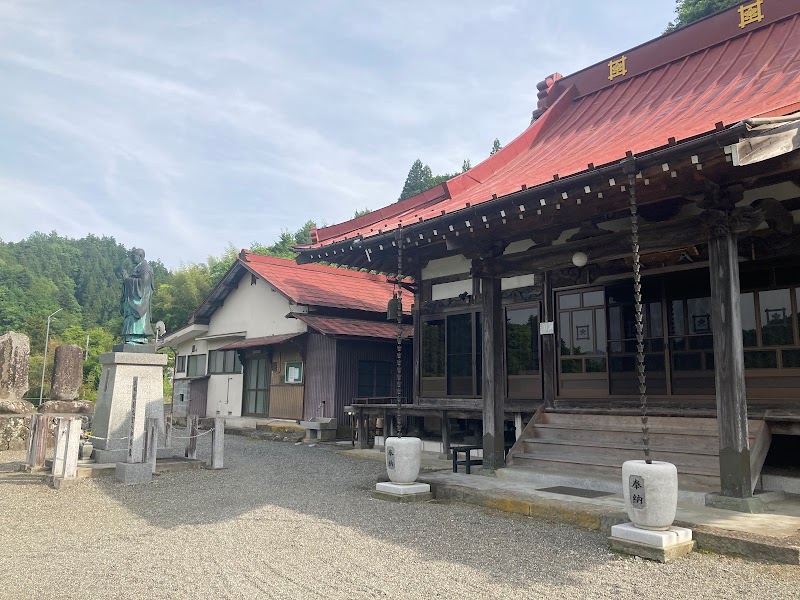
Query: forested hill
(47, 272)
(44, 272)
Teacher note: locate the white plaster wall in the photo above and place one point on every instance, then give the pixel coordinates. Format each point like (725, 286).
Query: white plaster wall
(225, 395)
(450, 265)
(519, 246)
(257, 309)
(511, 283)
(453, 289)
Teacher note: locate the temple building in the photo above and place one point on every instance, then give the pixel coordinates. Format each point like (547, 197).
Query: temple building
(524, 308)
(278, 340)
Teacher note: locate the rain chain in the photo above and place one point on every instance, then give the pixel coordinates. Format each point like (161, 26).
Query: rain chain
(399, 329)
(637, 297)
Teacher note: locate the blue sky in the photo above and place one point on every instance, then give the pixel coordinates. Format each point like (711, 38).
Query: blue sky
(181, 126)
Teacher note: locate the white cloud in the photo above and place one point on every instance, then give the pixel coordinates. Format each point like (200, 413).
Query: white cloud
(224, 124)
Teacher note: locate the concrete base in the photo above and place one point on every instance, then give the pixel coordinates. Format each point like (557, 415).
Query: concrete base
(116, 456)
(659, 539)
(663, 555)
(753, 505)
(134, 473)
(112, 418)
(402, 492)
(61, 482)
(662, 546)
(402, 489)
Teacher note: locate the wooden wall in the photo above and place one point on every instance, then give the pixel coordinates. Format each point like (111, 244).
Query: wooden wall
(285, 400)
(347, 356)
(320, 376)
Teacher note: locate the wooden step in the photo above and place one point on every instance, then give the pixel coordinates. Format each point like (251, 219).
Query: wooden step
(753, 429)
(699, 442)
(614, 421)
(655, 446)
(685, 480)
(614, 462)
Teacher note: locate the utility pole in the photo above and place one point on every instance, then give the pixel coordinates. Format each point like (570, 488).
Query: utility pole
(44, 360)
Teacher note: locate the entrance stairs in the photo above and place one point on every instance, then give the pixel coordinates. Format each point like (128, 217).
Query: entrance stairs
(587, 450)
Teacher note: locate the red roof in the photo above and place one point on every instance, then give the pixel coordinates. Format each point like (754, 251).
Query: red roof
(677, 86)
(355, 327)
(269, 340)
(319, 285)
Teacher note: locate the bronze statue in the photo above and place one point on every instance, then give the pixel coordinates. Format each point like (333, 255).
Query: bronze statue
(137, 293)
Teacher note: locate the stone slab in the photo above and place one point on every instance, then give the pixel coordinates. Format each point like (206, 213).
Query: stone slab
(67, 373)
(426, 497)
(61, 482)
(134, 473)
(663, 555)
(135, 348)
(753, 505)
(648, 537)
(14, 352)
(402, 489)
(114, 456)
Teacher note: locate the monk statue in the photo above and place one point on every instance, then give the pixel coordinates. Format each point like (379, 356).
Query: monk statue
(137, 292)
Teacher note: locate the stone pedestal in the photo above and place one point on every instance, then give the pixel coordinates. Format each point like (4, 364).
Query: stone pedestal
(662, 546)
(403, 492)
(319, 429)
(112, 418)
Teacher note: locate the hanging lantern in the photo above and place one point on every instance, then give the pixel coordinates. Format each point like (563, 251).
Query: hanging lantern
(394, 309)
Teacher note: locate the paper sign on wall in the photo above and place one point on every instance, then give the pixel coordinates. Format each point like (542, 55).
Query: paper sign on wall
(546, 328)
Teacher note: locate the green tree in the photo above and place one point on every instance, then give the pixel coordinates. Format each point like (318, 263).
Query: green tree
(361, 213)
(466, 165)
(496, 147)
(689, 11)
(417, 180)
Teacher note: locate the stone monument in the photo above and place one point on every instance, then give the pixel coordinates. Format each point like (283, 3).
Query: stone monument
(67, 373)
(14, 352)
(133, 360)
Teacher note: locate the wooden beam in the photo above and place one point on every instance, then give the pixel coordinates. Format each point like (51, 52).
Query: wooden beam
(660, 236)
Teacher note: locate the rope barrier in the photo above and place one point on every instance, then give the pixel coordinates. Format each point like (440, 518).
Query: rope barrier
(108, 439)
(188, 437)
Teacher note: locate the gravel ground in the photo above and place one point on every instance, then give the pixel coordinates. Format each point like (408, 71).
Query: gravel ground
(292, 521)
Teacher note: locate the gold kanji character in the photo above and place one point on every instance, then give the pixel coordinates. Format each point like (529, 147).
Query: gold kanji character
(750, 13)
(616, 67)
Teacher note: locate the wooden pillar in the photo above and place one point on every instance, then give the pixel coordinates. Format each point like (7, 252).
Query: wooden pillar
(734, 450)
(494, 370)
(37, 442)
(549, 346)
(445, 434)
(193, 429)
(363, 429)
(416, 344)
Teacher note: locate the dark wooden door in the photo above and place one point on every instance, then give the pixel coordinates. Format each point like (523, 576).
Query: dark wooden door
(198, 395)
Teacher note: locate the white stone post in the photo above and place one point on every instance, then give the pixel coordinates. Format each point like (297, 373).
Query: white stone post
(65, 459)
(217, 443)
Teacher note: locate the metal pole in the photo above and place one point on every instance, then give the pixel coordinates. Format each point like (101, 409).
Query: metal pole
(44, 360)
